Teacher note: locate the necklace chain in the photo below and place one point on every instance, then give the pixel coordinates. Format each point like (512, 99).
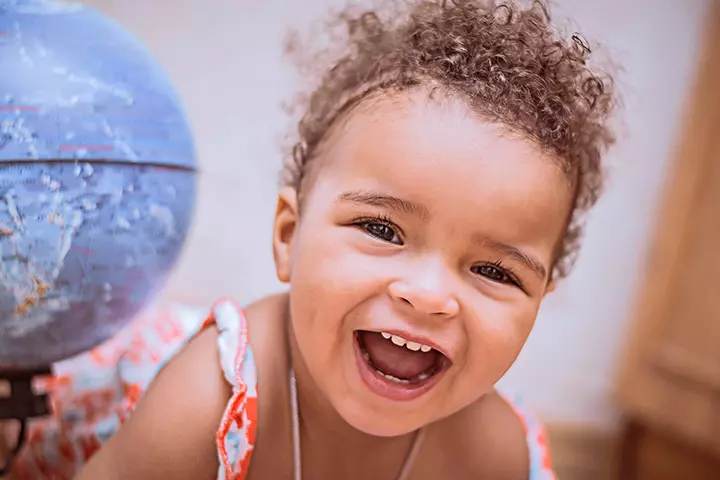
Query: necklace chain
(297, 463)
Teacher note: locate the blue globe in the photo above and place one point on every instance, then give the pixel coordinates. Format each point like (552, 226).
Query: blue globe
(97, 180)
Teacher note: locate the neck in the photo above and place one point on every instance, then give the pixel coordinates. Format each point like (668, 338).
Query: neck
(320, 423)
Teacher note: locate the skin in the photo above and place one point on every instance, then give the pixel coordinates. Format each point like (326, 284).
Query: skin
(422, 218)
(432, 278)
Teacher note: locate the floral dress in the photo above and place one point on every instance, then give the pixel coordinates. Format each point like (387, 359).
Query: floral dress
(94, 393)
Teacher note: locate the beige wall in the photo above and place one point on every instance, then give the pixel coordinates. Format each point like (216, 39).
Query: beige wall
(225, 57)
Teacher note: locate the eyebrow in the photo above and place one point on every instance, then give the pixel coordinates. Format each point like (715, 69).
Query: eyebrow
(529, 261)
(377, 199)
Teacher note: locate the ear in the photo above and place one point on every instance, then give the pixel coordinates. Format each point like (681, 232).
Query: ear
(550, 288)
(285, 228)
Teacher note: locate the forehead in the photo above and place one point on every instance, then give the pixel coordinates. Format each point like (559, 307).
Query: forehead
(438, 153)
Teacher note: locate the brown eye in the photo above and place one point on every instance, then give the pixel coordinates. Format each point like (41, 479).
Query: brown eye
(493, 273)
(382, 231)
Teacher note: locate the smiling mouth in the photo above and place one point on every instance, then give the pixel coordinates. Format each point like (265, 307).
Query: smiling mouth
(397, 368)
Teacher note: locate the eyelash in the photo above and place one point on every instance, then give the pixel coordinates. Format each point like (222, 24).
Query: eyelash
(379, 220)
(510, 276)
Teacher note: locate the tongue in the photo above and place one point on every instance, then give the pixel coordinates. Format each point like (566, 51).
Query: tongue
(400, 362)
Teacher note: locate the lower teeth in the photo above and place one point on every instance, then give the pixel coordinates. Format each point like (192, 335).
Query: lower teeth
(420, 378)
(393, 379)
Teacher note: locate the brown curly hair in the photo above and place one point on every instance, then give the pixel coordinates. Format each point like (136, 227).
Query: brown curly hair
(508, 63)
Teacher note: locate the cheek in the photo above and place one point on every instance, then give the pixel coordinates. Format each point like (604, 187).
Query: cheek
(328, 281)
(496, 334)
(329, 268)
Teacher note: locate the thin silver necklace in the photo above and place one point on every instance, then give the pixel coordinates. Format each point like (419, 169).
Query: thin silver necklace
(297, 466)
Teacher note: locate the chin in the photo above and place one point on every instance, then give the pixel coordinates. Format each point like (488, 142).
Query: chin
(379, 423)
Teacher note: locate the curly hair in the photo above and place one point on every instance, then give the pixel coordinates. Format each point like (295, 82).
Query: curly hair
(508, 63)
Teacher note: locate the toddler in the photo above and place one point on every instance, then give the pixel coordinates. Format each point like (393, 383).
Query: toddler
(433, 199)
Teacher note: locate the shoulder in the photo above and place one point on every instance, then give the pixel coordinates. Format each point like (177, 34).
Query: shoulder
(247, 340)
(490, 440)
(268, 334)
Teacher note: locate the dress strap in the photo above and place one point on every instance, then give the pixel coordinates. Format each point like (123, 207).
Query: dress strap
(235, 436)
(537, 442)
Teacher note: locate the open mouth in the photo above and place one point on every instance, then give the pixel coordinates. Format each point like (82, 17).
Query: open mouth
(396, 367)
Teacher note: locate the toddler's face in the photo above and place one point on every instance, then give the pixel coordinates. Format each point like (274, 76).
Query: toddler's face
(425, 228)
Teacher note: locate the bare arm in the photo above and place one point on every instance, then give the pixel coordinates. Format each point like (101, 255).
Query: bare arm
(5, 429)
(172, 432)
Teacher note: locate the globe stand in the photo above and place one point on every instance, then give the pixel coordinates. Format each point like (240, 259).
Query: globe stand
(22, 404)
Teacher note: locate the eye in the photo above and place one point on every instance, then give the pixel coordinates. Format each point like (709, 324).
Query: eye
(382, 230)
(494, 273)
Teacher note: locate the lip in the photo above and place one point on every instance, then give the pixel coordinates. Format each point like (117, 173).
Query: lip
(417, 339)
(383, 387)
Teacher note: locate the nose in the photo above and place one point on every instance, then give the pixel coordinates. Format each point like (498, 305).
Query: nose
(428, 291)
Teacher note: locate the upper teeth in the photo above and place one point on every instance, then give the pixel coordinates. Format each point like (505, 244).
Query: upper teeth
(401, 342)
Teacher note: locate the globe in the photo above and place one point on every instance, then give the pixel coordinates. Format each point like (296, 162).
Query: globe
(97, 180)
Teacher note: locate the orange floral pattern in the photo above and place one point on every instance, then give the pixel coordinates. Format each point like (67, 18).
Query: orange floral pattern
(95, 393)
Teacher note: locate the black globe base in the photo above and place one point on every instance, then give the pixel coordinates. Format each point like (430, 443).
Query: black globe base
(22, 404)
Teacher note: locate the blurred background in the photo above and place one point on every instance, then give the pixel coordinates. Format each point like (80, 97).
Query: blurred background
(225, 56)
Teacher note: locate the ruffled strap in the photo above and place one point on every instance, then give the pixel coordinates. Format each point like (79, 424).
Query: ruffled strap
(235, 437)
(537, 442)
